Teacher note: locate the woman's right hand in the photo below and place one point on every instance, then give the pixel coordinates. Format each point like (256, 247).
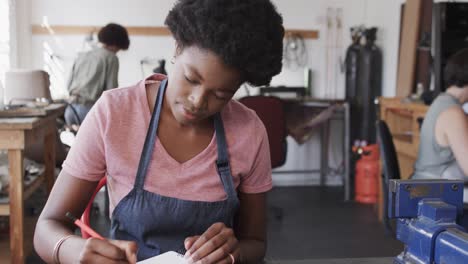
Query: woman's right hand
(108, 251)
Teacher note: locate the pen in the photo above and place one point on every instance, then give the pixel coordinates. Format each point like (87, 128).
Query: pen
(83, 226)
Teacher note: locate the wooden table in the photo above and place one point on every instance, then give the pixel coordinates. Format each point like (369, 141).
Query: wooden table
(15, 135)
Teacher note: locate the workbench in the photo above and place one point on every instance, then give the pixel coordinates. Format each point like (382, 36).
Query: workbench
(16, 134)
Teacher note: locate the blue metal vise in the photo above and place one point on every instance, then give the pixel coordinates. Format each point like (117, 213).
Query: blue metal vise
(426, 212)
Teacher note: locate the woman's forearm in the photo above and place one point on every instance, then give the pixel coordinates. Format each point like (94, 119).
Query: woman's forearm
(46, 236)
(252, 251)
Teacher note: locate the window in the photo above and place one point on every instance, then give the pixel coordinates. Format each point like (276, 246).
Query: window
(4, 38)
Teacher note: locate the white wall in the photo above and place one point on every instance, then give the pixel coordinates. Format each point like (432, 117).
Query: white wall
(96, 13)
(301, 14)
(297, 14)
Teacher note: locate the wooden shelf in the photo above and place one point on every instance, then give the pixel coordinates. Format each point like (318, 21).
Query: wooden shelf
(306, 34)
(403, 137)
(137, 30)
(402, 112)
(28, 191)
(406, 148)
(84, 30)
(402, 117)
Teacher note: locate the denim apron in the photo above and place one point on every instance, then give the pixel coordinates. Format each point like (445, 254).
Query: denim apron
(159, 223)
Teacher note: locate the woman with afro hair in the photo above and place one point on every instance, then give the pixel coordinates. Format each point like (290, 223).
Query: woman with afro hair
(187, 167)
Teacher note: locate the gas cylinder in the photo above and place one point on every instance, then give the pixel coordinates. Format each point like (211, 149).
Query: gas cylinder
(369, 83)
(351, 67)
(367, 173)
(352, 63)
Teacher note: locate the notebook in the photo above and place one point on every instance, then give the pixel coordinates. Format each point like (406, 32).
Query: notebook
(168, 257)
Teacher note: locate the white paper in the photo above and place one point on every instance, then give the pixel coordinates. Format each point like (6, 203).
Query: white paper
(168, 257)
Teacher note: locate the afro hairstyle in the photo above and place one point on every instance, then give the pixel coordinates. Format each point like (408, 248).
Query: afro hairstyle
(114, 35)
(246, 34)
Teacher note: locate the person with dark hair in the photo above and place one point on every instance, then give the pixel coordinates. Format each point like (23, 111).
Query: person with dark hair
(94, 72)
(187, 167)
(443, 147)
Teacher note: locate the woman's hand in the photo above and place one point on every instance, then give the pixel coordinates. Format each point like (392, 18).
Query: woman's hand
(217, 245)
(108, 251)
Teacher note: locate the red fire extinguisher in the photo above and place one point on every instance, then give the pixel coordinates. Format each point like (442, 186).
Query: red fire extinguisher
(367, 173)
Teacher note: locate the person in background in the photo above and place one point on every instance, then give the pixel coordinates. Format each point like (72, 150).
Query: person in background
(94, 72)
(443, 147)
(187, 167)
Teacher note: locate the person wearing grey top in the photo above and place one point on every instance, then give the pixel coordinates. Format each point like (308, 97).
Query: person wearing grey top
(443, 148)
(94, 72)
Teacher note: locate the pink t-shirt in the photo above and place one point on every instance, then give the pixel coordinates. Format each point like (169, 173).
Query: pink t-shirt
(111, 138)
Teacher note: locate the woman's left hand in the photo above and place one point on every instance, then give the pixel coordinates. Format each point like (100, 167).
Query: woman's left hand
(217, 245)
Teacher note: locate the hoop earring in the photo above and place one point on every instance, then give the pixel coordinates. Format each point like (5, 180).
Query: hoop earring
(173, 59)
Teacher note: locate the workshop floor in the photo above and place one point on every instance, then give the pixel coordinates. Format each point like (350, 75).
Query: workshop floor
(317, 223)
(309, 222)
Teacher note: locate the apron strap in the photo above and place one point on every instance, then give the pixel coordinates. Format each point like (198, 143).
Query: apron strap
(150, 139)
(222, 163)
